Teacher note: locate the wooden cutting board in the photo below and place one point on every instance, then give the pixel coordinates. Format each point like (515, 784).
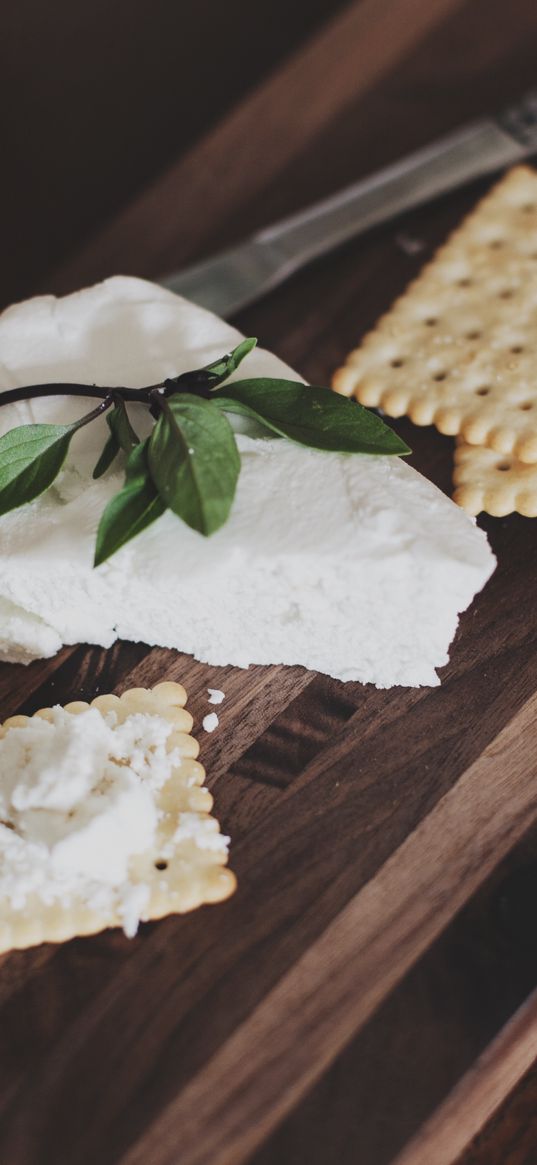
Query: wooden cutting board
(359, 994)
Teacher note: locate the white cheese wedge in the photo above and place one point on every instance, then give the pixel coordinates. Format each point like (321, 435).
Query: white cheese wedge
(352, 565)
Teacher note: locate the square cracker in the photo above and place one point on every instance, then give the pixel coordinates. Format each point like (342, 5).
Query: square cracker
(491, 482)
(191, 875)
(459, 348)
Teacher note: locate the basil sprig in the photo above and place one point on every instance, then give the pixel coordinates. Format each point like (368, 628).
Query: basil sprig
(190, 463)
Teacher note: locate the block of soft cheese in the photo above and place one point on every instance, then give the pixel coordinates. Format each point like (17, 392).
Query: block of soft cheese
(352, 565)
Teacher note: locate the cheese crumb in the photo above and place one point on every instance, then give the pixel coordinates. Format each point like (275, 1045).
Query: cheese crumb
(215, 695)
(210, 722)
(203, 833)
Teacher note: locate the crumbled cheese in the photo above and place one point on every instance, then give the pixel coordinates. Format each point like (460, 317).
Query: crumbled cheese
(203, 832)
(215, 695)
(353, 566)
(134, 900)
(77, 802)
(210, 722)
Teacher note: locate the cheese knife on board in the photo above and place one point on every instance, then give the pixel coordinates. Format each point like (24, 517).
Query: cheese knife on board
(234, 278)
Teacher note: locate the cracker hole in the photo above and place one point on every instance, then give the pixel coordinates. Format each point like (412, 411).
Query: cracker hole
(507, 293)
(529, 207)
(464, 283)
(496, 244)
(517, 349)
(525, 408)
(484, 391)
(503, 466)
(432, 321)
(397, 363)
(473, 335)
(440, 376)
(161, 865)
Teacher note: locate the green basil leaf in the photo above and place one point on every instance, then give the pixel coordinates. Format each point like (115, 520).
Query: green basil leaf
(108, 455)
(194, 461)
(122, 437)
(227, 364)
(316, 417)
(31, 456)
(121, 428)
(131, 510)
(213, 374)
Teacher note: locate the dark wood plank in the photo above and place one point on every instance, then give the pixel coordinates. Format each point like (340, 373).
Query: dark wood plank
(511, 1134)
(283, 1046)
(291, 110)
(100, 98)
(84, 671)
(18, 682)
(314, 718)
(152, 1067)
(426, 1034)
(479, 1093)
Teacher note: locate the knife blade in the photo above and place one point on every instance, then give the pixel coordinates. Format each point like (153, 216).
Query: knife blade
(234, 278)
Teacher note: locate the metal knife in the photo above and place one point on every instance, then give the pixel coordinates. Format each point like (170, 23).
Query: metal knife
(237, 277)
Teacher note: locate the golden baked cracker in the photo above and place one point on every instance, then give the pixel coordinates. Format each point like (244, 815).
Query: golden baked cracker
(491, 482)
(459, 348)
(187, 877)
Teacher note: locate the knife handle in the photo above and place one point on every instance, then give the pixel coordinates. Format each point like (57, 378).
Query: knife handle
(475, 150)
(234, 278)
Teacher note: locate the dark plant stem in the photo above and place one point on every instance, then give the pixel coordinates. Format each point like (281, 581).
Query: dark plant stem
(141, 395)
(195, 384)
(156, 401)
(33, 391)
(104, 405)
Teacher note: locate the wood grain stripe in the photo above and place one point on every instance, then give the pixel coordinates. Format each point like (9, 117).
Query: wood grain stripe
(364, 43)
(301, 732)
(480, 1092)
(265, 1067)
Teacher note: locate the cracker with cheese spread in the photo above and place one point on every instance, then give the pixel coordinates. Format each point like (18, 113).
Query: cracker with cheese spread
(105, 820)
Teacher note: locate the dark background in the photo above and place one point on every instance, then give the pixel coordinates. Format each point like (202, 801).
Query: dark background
(98, 98)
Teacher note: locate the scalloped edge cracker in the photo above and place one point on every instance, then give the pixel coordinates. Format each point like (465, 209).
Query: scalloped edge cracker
(193, 874)
(490, 482)
(459, 348)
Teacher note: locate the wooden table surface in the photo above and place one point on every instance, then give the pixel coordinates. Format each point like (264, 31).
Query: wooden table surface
(366, 996)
